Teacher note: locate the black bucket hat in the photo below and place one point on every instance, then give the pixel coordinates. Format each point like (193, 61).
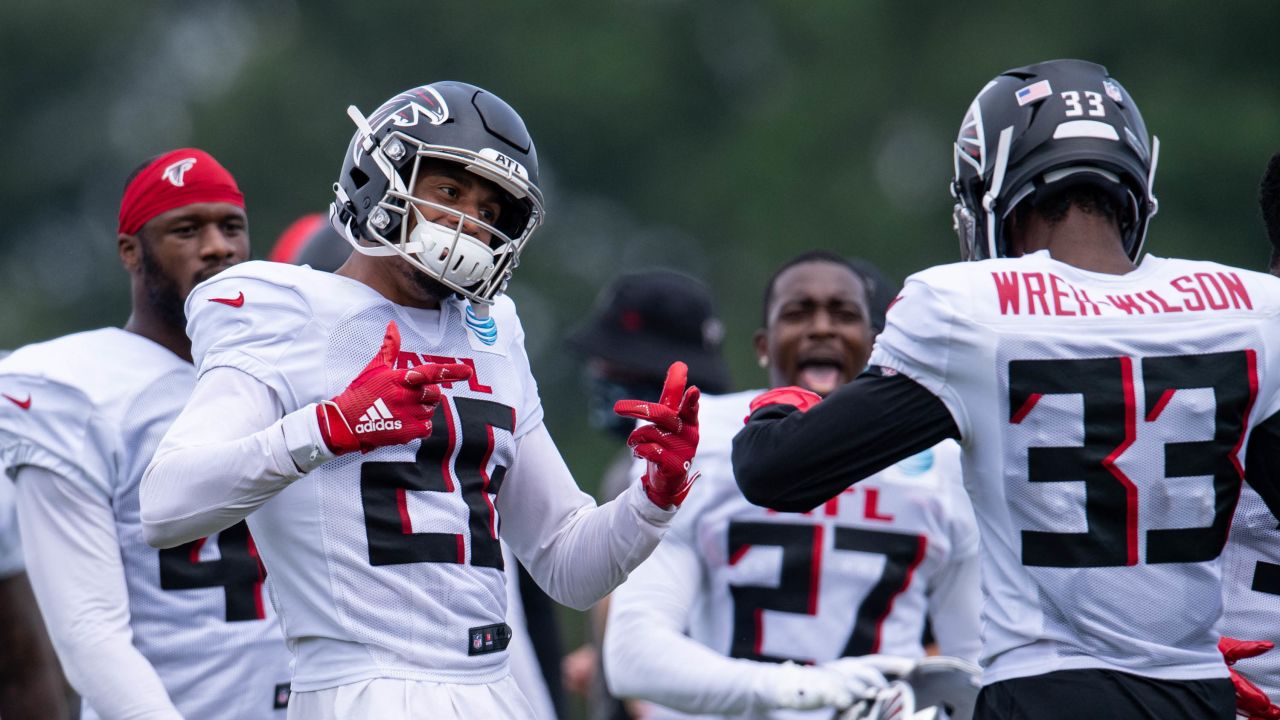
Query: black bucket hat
(646, 320)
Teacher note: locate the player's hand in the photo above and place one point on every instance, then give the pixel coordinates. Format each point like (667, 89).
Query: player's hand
(1251, 701)
(670, 441)
(793, 395)
(385, 406)
(801, 687)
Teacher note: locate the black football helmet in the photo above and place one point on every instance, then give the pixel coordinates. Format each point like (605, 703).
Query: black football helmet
(1041, 128)
(458, 123)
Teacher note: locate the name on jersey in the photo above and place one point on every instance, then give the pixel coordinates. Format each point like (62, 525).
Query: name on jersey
(409, 359)
(1041, 293)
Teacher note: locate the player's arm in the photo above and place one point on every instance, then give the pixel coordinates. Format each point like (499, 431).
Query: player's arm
(30, 681)
(232, 448)
(647, 656)
(576, 551)
(73, 560)
(793, 459)
(224, 457)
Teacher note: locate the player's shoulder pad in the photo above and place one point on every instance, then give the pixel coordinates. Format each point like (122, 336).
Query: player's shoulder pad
(96, 366)
(53, 396)
(720, 418)
(259, 307)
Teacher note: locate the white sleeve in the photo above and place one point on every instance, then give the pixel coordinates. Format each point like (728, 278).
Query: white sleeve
(917, 341)
(646, 654)
(77, 574)
(227, 454)
(576, 551)
(955, 593)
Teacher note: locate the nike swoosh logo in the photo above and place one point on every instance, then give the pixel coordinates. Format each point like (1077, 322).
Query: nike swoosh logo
(236, 301)
(24, 404)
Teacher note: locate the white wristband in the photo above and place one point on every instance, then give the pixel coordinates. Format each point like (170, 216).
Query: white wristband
(303, 439)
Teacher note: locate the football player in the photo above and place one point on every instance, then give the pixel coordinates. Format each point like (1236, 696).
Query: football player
(376, 485)
(184, 632)
(1252, 557)
(1102, 403)
(532, 656)
(744, 611)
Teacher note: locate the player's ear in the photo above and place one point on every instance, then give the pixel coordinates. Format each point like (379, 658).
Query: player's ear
(760, 340)
(130, 249)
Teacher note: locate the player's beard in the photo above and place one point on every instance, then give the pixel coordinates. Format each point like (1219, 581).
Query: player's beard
(163, 294)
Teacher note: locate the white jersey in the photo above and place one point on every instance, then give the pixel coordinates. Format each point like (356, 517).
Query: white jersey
(91, 408)
(852, 577)
(385, 564)
(1103, 420)
(1251, 587)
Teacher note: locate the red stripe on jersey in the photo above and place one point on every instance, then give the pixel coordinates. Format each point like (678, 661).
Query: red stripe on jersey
(402, 504)
(259, 611)
(484, 490)
(737, 555)
(195, 549)
(448, 451)
(922, 544)
(1026, 408)
(759, 631)
(1165, 397)
(815, 573)
(462, 549)
(1130, 490)
(1251, 357)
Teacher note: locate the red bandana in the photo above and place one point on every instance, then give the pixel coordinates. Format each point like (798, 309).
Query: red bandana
(176, 178)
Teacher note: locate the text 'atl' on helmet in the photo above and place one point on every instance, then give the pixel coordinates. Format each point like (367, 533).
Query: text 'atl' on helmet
(444, 121)
(1041, 128)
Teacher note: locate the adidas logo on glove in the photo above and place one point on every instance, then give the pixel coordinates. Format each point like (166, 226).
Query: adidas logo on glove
(377, 417)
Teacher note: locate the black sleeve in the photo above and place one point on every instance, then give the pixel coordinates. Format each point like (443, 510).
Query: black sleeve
(794, 461)
(1262, 462)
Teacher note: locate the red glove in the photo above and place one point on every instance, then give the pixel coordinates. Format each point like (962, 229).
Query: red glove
(1251, 701)
(385, 406)
(790, 395)
(670, 441)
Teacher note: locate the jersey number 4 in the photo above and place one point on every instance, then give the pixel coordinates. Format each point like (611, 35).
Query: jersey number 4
(392, 540)
(1111, 424)
(238, 571)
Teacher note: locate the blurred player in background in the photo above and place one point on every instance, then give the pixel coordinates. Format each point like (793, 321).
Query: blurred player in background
(642, 322)
(1251, 592)
(181, 633)
(747, 612)
(376, 485)
(535, 632)
(30, 681)
(1102, 403)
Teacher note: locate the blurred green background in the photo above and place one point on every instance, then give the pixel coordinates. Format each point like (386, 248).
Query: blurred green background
(720, 137)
